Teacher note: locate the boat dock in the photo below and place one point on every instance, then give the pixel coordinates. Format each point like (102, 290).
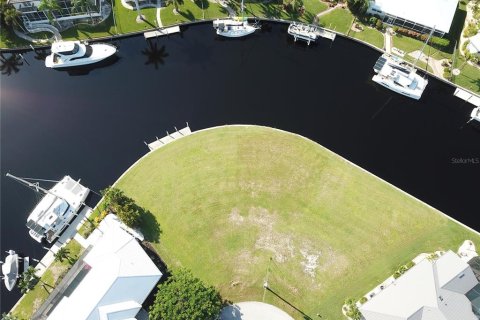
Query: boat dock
(324, 33)
(467, 96)
(308, 32)
(161, 32)
(160, 142)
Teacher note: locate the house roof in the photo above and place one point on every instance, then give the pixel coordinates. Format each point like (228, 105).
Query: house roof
(440, 12)
(474, 45)
(428, 291)
(119, 277)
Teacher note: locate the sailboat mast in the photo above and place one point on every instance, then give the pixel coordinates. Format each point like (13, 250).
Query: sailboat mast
(242, 9)
(35, 186)
(424, 45)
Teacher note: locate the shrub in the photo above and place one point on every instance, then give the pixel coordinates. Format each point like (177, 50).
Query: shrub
(434, 41)
(379, 25)
(363, 300)
(358, 7)
(470, 30)
(185, 297)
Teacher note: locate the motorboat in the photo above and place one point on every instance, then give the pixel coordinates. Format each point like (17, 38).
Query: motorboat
(56, 209)
(77, 53)
(397, 75)
(234, 28)
(475, 115)
(302, 31)
(10, 270)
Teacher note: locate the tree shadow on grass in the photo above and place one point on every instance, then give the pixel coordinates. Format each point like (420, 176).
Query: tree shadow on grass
(202, 4)
(187, 15)
(150, 226)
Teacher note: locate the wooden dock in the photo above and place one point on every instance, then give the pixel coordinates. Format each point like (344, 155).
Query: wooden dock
(161, 32)
(467, 96)
(325, 33)
(160, 142)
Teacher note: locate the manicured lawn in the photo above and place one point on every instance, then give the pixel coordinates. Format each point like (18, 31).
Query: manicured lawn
(85, 31)
(408, 45)
(52, 276)
(339, 20)
(469, 76)
(370, 35)
(274, 9)
(235, 202)
(126, 18)
(192, 11)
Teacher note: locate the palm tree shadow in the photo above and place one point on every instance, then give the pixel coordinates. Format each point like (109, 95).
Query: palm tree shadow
(11, 64)
(202, 4)
(155, 55)
(187, 15)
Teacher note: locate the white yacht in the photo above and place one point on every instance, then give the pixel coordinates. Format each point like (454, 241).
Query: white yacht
(475, 115)
(303, 31)
(56, 209)
(396, 75)
(76, 53)
(234, 27)
(10, 270)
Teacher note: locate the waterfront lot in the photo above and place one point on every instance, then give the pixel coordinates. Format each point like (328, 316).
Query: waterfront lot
(237, 203)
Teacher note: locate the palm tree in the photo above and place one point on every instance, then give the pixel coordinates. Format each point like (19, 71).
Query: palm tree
(48, 6)
(10, 64)
(9, 316)
(62, 254)
(82, 6)
(28, 280)
(154, 55)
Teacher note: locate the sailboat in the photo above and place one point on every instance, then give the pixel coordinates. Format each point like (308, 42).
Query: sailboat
(397, 75)
(235, 27)
(56, 209)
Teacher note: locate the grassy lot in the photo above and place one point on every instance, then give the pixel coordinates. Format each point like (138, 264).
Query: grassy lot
(339, 20)
(469, 76)
(52, 276)
(126, 18)
(85, 31)
(192, 11)
(275, 10)
(235, 202)
(370, 35)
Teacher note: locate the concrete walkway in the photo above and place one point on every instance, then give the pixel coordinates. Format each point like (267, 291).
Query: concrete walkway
(253, 310)
(387, 36)
(318, 15)
(433, 63)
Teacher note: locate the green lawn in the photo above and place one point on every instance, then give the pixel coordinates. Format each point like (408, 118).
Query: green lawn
(8, 39)
(126, 18)
(408, 45)
(227, 200)
(469, 76)
(52, 276)
(85, 31)
(192, 11)
(370, 35)
(339, 20)
(275, 10)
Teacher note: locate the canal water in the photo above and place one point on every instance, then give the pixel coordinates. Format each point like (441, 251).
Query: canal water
(92, 124)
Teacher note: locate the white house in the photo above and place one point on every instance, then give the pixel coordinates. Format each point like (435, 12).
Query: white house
(444, 289)
(474, 45)
(419, 15)
(113, 281)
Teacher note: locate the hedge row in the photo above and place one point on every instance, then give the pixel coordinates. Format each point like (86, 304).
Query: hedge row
(434, 41)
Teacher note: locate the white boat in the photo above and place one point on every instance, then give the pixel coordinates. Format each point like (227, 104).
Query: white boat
(395, 74)
(76, 53)
(303, 31)
(234, 27)
(10, 270)
(475, 115)
(56, 209)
